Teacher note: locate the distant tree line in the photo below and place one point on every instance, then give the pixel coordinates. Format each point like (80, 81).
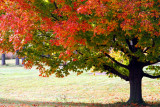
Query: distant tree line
(3, 58)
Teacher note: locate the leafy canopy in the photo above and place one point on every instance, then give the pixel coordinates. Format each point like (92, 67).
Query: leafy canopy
(79, 34)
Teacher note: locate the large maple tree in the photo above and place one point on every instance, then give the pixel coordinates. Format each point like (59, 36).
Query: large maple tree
(80, 34)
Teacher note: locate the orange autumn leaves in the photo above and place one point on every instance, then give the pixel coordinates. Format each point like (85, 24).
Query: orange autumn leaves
(70, 18)
(126, 12)
(18, 22)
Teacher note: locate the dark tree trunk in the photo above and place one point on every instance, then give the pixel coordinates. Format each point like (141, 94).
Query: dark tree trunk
(136, 91)
(3, 59)
(135, 80)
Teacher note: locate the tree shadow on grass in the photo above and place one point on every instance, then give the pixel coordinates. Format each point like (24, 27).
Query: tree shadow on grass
(22, 103)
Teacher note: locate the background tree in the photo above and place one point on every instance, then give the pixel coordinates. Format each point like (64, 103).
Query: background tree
(3, 59)
(23, 61)
(83, 33)
(17, 59)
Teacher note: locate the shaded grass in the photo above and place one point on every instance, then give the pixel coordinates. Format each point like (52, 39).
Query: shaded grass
(22, 103)
(19, 86)
(54, 104)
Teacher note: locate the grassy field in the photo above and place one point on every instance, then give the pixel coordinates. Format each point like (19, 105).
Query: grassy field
(21, 87)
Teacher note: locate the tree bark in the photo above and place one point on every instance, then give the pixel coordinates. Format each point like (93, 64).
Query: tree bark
(135, 80)
(136, 91)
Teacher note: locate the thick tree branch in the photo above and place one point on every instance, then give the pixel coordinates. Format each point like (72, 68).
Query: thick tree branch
(128, 43)
(131, 44)
(150, 63)
(120, 64)
(112, 70)
(151, 76)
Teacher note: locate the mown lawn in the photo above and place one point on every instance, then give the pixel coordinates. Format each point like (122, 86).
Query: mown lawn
(21, 87)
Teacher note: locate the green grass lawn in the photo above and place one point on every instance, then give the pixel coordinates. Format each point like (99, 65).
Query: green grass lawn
(21, 87)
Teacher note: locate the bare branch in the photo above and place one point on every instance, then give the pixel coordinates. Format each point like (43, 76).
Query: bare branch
(151, 76)
(120, 64)
(112, 70)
